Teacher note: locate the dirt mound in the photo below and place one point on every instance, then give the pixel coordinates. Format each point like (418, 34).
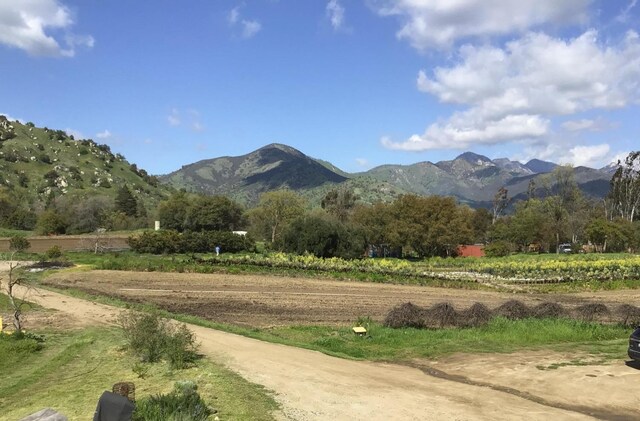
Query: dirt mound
(405, 315)
(592, 312)
(476, 315)
(513, 309)
(441, 315)
(548, 310)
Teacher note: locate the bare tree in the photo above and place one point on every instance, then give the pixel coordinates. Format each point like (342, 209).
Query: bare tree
(17, 301)
(500, 203)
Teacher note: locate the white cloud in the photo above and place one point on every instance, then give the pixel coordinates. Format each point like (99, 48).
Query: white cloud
(106, 134)
(512, 93)
(440, 23)
(28, 25)
(174, 117)
(624, 13)
(589, 156)
(362, 162)
(335, 13)
(585, 124)
(250, 28)
(77, 134)
(234, 15)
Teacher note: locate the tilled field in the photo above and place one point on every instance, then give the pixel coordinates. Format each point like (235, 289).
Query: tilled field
(262, 301)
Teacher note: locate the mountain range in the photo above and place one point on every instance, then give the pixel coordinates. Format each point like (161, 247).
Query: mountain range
(471, 178)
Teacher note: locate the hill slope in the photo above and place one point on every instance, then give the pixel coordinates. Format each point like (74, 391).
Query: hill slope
(37, 163)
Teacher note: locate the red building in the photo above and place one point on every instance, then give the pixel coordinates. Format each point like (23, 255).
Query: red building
(471, 250)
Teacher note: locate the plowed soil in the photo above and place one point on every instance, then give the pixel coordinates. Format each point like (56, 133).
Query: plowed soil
(262, 301)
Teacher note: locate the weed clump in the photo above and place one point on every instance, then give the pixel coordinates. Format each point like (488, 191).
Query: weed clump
(405, 315)
(513, 309)
(476, 315)
(592, 311)
(548, 310)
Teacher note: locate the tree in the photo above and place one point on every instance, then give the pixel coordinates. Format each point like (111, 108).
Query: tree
(51, 222)
(431, 226)
(339, 202)
(323, 236)
(125, 201)
(500, 203)
(173, 212)
(16, 244)
(624, 194)
(213, 213)
(275, 211)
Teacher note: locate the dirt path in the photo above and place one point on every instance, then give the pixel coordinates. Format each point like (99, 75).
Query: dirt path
(310, 385)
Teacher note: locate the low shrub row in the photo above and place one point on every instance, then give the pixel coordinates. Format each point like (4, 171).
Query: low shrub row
(170, 242)
(444, 315)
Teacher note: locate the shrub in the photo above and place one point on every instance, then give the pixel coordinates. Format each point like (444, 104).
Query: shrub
(628, 315)
(476, 315)
(54, 252)
(18, 243)
(513, 309)
(323, 237)
(183, 403)
(170, 241)
(592, 311)
(152, 338)
(498, 249)
(441, 315)
(405, 315)
(548, 310)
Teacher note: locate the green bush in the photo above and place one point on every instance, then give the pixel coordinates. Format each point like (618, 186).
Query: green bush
(323, 237)
(152, 338)
(54, 252)
(498, 249)
(182, 404)
(170, 242)
(19, 243)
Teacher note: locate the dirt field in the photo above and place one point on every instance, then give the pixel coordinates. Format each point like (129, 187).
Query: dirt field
(263, 301)
(310, 385)
(70, 243)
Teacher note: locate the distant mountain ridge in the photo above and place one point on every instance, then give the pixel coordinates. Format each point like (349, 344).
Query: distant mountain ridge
(470, 177)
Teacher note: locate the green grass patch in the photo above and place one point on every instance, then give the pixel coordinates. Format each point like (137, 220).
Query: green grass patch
(74, 368)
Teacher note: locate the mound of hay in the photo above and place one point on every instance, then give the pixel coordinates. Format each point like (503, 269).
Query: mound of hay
(513, 309)
(476, 315)
(592, 311)
(405, 315)
(628, 315)
(441, 315)
(548, 310)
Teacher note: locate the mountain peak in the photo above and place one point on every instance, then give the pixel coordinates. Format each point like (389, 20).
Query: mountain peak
(539, 166)
(474, 158)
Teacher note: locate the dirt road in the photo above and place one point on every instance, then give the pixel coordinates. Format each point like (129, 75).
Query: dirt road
(310, 385)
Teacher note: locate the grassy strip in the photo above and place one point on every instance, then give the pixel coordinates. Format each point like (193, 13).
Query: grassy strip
(386, 344)
(75, 367)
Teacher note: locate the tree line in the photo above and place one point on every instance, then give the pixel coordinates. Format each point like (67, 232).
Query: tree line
(553, 213)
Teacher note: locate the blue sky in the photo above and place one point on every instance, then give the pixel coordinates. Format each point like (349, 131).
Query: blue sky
(359, 83)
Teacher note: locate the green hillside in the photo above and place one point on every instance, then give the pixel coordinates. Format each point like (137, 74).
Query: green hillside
(39, 164)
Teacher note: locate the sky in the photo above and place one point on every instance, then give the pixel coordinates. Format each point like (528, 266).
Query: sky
(359, 83)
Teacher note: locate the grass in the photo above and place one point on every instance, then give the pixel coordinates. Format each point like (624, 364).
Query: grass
(73, 369)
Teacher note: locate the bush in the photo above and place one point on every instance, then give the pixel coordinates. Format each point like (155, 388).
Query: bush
(323, 237)
(18, 243)
(513, 309)
(405, 315)
(152, 338)
(170, 241)
(54, 252)
(498, 249)
(183, 404)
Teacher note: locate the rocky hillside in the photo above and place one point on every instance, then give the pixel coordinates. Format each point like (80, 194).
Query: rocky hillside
(38, 163)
